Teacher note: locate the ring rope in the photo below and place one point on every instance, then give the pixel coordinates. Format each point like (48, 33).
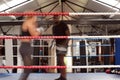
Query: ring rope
(54, 67)
(32, 67)
(96, 66)
(59, 13)
(33, 14)
(70, 56)
(32, 37)
(91, 56)
(94, 13)
(94, 37)
(79, 56)
(58, 37)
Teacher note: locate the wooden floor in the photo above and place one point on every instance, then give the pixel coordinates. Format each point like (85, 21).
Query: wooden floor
(70, 76)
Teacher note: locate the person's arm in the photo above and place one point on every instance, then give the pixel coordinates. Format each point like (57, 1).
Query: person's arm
(33, 30)
(67, 32)
(66, 28)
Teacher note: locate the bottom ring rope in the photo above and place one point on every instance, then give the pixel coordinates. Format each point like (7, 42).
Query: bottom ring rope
(54, 67)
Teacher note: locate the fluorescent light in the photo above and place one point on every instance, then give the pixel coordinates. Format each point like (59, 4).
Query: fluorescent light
(110, 2)
(19, 5)
(113, 3)
(13, 3)
(3, 7)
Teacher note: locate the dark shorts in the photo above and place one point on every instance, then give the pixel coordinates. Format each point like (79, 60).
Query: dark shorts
(26, 49)
(61, 49)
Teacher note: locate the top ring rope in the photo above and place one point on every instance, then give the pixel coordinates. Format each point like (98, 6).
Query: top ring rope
(33, 14)
(59, 13)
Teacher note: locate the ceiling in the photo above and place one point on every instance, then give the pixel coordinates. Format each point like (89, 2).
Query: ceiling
(90, 25)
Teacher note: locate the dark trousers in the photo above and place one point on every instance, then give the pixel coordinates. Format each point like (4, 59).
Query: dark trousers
(26, 51)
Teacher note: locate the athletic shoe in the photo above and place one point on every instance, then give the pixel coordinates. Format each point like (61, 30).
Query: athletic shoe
(61, 78)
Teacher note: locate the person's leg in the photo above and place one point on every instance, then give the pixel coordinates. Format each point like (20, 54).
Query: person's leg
(61, 51)
(60, 60)
(61, 63)
(27, 61)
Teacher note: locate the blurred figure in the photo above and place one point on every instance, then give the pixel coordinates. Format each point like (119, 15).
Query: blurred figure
(29, 28)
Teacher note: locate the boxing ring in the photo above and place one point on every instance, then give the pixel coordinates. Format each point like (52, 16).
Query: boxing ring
(52, 76)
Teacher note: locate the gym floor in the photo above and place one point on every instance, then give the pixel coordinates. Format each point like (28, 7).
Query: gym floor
(70, 76)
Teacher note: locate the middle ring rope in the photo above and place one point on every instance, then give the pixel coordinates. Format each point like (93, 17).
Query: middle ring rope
(58, 37)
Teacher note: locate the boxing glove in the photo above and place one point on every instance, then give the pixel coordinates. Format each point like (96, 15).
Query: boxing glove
(41, 30)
